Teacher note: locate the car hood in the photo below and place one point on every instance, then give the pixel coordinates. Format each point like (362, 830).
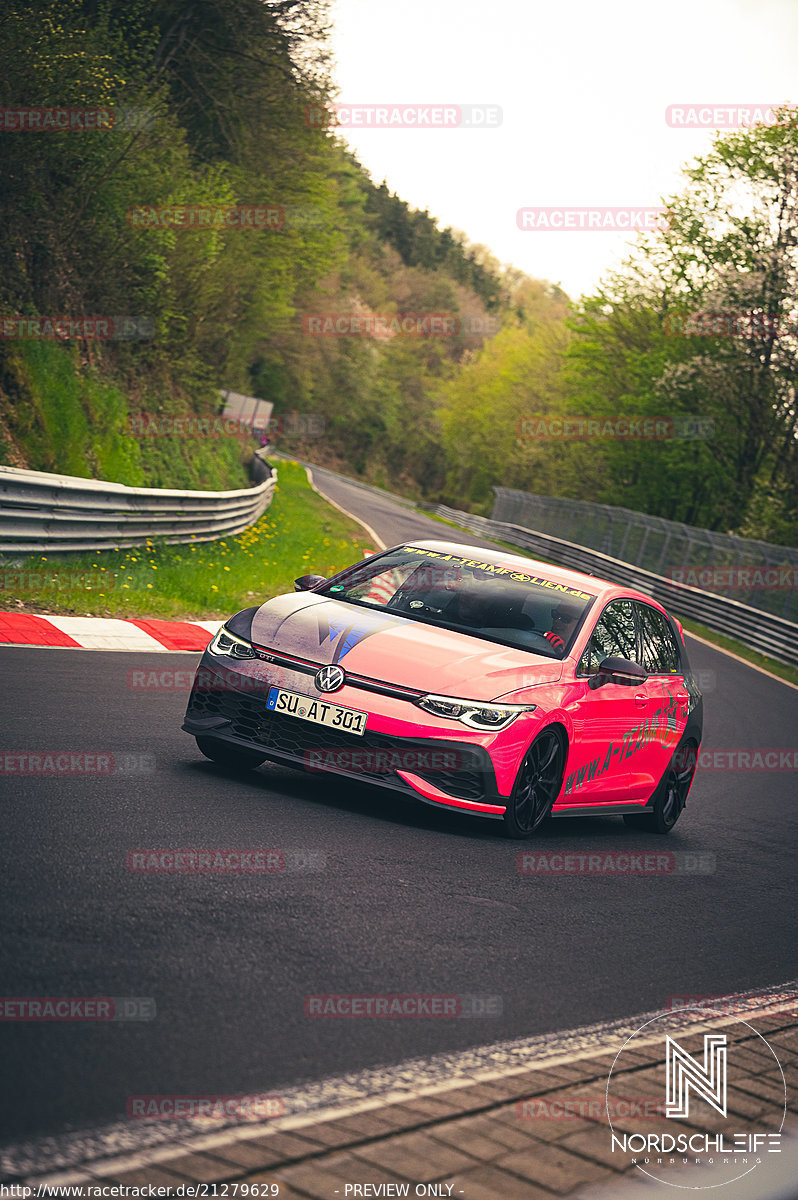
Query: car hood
(395, 649)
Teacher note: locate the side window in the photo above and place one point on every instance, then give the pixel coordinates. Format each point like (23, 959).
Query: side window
(614, 637)
(660, 653)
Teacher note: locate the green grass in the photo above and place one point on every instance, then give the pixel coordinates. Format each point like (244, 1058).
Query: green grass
(70, 419)
(299, 534)
(726, 643)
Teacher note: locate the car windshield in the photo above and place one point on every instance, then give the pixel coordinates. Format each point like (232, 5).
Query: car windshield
(471, 595)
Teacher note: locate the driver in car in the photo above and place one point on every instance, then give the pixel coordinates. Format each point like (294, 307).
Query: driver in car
(563, 623)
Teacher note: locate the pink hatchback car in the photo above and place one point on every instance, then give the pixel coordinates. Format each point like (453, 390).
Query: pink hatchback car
(475, 680)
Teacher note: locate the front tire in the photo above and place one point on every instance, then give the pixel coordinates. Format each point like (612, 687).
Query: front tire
(228, 755)
(537, 786)
(670, 795)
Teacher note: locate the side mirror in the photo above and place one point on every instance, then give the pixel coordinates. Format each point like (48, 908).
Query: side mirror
(306, 583)
(620, 671)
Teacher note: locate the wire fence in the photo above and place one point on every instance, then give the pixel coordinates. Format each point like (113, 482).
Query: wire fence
(761, 575)
(763, 632)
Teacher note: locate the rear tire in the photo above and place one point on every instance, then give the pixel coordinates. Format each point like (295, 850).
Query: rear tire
(228, 755)
(670, 795)
(537, 786)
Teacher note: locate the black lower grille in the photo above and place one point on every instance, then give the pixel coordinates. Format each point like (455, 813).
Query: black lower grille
(456, 769)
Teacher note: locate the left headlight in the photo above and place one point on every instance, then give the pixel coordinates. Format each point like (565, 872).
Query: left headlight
(231, 646)
(474, 713)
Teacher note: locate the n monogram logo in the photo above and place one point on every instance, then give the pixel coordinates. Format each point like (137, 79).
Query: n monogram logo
(684, 1072)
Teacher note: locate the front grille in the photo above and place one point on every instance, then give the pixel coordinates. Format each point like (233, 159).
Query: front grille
(252, 722)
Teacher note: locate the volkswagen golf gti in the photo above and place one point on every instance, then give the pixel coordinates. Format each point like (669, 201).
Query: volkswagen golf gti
(474, 680)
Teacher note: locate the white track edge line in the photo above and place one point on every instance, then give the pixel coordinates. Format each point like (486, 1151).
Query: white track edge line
(737, 658)
(611, 1033)
(380, 544)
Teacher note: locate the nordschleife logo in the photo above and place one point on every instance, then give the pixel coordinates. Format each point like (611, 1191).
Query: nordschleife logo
(703, 1073)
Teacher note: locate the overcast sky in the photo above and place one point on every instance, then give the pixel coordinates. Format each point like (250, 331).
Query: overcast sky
(583, 88)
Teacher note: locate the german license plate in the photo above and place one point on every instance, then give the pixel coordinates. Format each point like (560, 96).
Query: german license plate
(320, 712)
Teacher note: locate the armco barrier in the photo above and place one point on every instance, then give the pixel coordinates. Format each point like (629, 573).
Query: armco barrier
(56, 513)
(758, 630)
(761, 631)
(658, 545)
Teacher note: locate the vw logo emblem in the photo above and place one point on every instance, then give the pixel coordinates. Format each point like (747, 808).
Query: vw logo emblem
(330, 679)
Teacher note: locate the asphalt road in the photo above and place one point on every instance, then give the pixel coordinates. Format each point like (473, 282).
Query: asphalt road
(410, 900)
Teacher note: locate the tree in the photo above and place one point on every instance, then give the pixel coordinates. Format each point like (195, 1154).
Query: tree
(517, 374)
(701, 321)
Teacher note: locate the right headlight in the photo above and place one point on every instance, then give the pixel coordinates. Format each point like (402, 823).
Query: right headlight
(474, 713)
(229, 645)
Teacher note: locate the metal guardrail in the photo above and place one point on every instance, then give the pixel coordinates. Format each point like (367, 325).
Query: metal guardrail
(764, 632)
(707, 559)
(761, 631)
(56, 513)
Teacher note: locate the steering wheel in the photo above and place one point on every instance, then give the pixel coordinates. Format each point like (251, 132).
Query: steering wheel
(541, 639)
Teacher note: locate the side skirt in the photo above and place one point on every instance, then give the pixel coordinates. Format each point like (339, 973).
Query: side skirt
(603, 810)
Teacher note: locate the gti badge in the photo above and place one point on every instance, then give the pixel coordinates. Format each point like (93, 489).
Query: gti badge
(330, 679)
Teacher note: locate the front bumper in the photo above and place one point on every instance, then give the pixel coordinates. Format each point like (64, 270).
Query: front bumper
(399, 750)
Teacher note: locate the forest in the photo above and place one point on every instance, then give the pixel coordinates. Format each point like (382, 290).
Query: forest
(158, 170)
